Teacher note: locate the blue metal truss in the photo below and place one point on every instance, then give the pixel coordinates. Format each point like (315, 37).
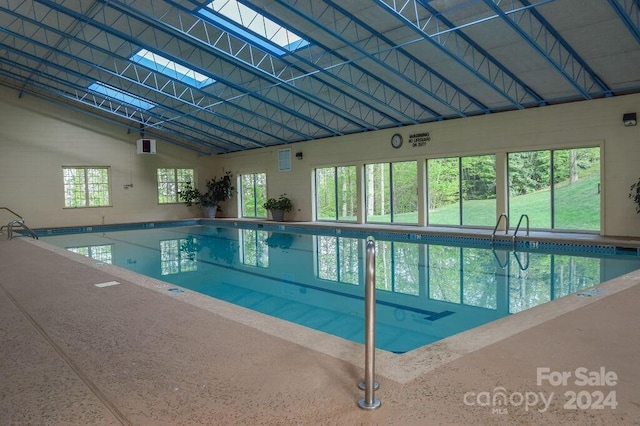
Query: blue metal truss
(56, 95)
(335, 21)
(158, 84)
(59, 84)
(201, 57)
(460, 47)
(352, 75)
(629, 13)
(356, 79)
(323, 82)
(306, 106)
(540, 35)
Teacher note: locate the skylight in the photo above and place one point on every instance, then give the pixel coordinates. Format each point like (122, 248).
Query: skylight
(171, 69)
(251, 23)
(121, 95)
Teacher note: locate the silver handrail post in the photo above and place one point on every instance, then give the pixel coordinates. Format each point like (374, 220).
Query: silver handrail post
(370, 402)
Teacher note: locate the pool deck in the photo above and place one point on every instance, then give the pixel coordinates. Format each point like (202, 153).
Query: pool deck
(73, 353)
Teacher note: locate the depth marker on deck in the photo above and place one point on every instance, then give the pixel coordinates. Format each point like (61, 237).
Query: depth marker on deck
(107, 284)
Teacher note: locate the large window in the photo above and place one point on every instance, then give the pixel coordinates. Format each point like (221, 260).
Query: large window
(336, 193)
(392, 192)
(170, 182)
(254, 193)
(556, 189)
(86, 186)
(462, 191)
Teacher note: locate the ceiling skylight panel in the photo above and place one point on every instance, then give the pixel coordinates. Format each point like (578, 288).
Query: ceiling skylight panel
(251, 23)
(111, 92)
(171, 68)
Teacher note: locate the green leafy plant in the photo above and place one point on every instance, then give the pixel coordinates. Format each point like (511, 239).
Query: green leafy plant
(634, 194)
(218, 190)
(281, 203)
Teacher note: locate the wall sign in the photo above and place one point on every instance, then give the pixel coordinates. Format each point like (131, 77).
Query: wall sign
(419, 139)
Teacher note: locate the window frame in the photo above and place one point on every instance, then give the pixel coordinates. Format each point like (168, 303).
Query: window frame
(176, 183)
(86, 186)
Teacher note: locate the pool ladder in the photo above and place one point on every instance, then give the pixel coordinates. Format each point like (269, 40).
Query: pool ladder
(515, 233)
(522, 266)
(16, 224)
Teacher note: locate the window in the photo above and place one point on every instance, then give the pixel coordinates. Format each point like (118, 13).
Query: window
(253, 27)
(284, 160)
(392, 192)
(170, 182)
(86, 186)
(336, 193)
(254, 194)
(556, 189)
(111, 92)
(462, 191)
(171, 68)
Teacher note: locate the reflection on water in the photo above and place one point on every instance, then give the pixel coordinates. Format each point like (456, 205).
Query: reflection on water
(425, 291)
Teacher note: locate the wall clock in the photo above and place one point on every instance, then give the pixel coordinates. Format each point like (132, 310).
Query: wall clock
(396, 140)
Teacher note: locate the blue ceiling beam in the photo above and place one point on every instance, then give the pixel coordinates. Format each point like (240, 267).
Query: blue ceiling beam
(197, 46)
(629, 13)
(543, 38)
(298, 73)
(439, 88)
(462, 49)
(100, 101)
(122, 74)
(274, 83)
(80, 76)
(52, 94)
(481, 107)
(349, 73)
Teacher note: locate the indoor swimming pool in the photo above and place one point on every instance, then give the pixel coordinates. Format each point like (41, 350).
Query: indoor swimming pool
(428, 287)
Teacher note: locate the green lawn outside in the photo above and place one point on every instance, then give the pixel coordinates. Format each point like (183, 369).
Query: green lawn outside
(577, 207)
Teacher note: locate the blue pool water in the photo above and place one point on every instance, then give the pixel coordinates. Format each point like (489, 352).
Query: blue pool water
(426, 291)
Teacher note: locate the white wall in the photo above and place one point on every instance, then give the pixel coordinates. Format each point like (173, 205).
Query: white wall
(37, 138)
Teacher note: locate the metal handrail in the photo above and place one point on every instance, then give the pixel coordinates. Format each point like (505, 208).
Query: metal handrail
(14, 213)
(493, 234)
(370, 402)
(524, 216)
(16, 223)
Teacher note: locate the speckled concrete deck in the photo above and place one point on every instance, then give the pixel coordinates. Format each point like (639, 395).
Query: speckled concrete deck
(72, 353)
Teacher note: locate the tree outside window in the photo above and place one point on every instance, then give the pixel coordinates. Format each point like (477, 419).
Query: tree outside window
(86, 186)
(170, 182)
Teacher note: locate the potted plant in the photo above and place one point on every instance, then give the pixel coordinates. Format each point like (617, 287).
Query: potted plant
(218, 190)
(278, 206)
(634, 194)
